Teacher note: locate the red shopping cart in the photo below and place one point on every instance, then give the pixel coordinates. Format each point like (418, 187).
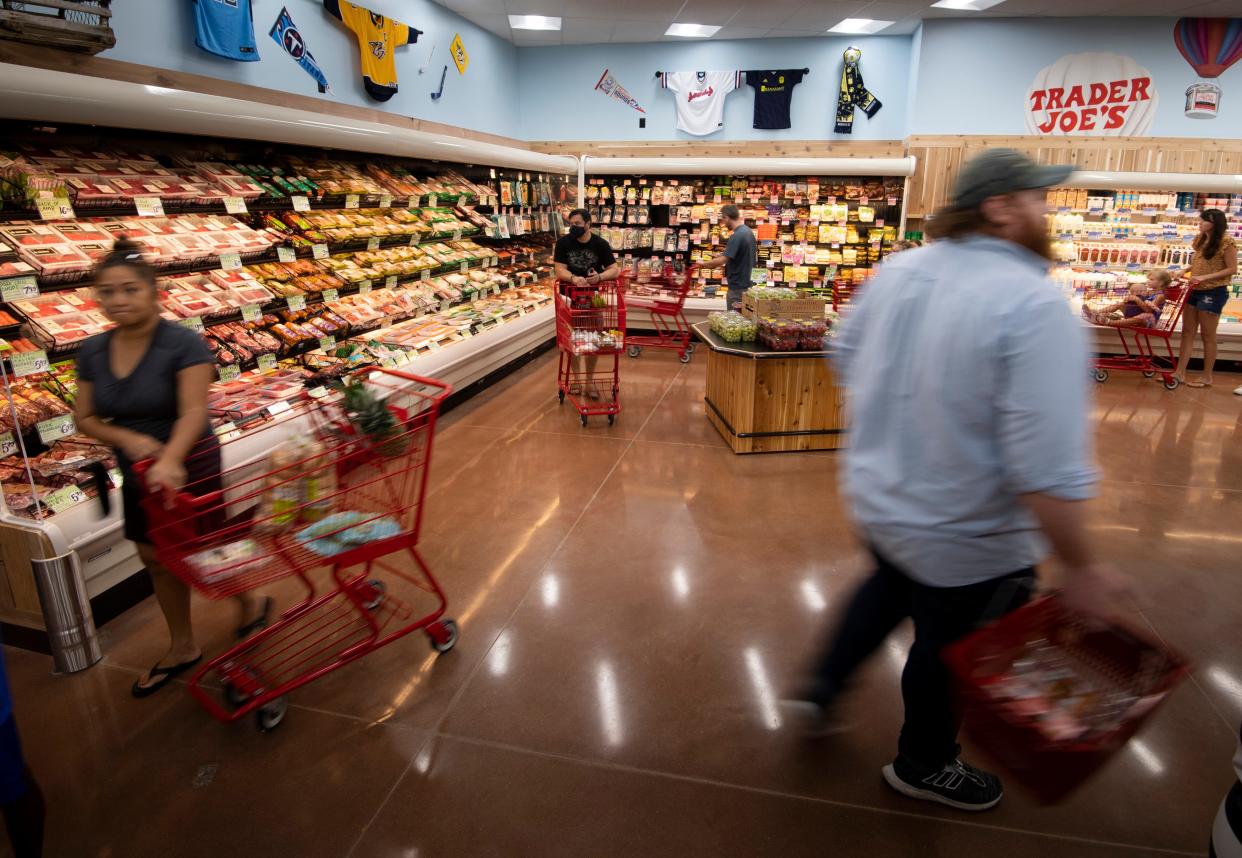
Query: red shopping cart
(663, 297)
(339, 508)
(590, 324)
(1052, 698)
(1143, 357)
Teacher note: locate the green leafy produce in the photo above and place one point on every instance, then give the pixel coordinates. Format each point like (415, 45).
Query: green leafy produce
(372, 417)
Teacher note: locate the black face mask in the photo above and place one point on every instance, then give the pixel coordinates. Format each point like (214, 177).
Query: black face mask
(577, 231)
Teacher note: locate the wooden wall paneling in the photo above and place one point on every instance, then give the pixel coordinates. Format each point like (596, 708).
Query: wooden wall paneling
(725, 149)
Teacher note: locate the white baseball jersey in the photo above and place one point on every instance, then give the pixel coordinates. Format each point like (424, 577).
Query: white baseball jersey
(700, 98)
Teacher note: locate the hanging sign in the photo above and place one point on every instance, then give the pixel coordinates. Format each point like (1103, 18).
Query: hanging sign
(1092, 94)
(608, 86)
(285, 33)
(460, 58)
(1210, 46)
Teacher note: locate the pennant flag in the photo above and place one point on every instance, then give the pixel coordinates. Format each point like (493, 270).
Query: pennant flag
(285, 33)
(608, 86)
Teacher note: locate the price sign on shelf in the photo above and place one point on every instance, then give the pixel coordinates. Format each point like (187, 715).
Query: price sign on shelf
(424, 275)
(464, 267)
(63, 499)
(457, 235)
(434, 345)
(351, 201)
(234, 205)
(286, 254)
(194, 323)
(8, 445)
(296, 302)
(390, 281)
(327, 343)
(56, 428)
(19, 288)
(226, 431)
(229, 373)
(230, 261)
(149, 206)
(364, 287)
(319, 251)
(267, 363)
(317, 392)
(252, 313)
(433, 201)
(444, 305)
(331, 296)
(279, 407)
(301, 203)
(373, 243)
(116, 477)
(495, 288)
(54, 208)
(385, 201)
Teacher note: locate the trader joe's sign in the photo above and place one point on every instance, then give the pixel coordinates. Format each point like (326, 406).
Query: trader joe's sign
(1094, 94)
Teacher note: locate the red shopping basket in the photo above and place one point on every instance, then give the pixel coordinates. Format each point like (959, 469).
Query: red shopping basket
(1121, 678)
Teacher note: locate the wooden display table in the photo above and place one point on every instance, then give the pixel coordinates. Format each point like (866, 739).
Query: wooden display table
(763, 401)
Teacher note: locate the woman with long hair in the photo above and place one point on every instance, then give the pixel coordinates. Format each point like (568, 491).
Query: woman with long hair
(1214, 262)
(142, 389)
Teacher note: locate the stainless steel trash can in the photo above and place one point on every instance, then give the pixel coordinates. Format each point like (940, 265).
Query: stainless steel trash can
(66, 613)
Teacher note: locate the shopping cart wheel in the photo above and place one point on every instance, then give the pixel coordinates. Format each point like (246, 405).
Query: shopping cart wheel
(1101, 375)
(560, 394)
(449, 628)
(635, 351)
(690, 347)
(684, 357)
(269, 715)
(1149, 375)
(1172, 384)
(378, 588)
(611, 419)
(583, 417)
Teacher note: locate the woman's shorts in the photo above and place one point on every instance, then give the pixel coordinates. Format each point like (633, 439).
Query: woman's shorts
(1209, 300)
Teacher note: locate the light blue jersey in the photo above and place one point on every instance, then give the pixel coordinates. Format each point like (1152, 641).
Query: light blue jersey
(226, 28)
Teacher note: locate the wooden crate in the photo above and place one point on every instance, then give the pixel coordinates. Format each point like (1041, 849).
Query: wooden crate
(795, 308)
(74, 25)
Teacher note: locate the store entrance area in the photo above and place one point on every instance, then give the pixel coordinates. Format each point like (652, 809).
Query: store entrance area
(633, 601)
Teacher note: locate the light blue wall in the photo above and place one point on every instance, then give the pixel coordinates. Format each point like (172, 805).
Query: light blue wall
(558, 100)
(160, 33)
(973, 76)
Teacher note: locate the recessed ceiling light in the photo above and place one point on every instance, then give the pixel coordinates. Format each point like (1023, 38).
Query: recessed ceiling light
(860, 25)
(967, 5)
(534, 22)
(692, 31)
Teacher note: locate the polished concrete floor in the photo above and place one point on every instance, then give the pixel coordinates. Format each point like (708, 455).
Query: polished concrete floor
(632, 599)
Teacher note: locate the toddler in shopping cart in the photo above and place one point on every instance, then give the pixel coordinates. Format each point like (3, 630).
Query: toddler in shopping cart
(1139, 309)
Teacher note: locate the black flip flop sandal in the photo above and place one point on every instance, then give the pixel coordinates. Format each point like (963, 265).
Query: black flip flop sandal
(162, 676)
(258, 623)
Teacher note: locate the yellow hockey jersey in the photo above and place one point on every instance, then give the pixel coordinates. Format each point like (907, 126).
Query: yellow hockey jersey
(378, 37)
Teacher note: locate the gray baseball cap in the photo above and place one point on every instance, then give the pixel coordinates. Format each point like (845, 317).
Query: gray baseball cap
(1002, 171)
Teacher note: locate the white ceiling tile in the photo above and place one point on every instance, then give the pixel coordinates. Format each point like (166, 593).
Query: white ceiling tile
(742, 33)
(717, 12)
(464, 7)
(624, 10)
(769, 13)
(555, 8)
(818, 17)
(637, 31)
(490, 21)
(585, 31)
(531, 38)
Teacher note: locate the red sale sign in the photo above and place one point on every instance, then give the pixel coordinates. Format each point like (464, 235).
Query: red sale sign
(1095, 94)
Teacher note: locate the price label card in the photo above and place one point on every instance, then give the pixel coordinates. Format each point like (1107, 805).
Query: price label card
(385, 201)
(317, 392)
(388, 361)
(373, 243)
(444, 305)
(434, 345)
(319, 251)
(495, 288)
(252, 313)
(296, 302)
(229, 373)
(149, 206)
(414, 241)
(230, 261)
(466, 333)
(226, 431)
(327, 343)
(424, 275)
(28, 363)
(286, 254)
(364, 287)
(54, 208)
(433, 201)
(457, 235)
(19, 288)
(56, 428)
(351, 201)
(8, 445)
(301, 203)
(331, 296)
(116, 477)
(464, 267)
(63, 499)
(234, 205)
(194, 323)
(278, 408)
(522, 311)
(390, 281)
(267, 363)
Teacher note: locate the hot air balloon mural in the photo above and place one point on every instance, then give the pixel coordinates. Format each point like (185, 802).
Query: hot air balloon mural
(1210, 45)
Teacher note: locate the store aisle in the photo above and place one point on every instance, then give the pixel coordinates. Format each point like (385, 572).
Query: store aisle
(632, 600)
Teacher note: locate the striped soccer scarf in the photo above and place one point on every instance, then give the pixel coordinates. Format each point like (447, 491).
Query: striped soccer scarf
(853, 94)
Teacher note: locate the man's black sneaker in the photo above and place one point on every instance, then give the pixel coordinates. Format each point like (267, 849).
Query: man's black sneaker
(958, 784)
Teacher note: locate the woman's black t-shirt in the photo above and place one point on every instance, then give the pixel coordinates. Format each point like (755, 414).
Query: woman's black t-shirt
(583, 258)
(146, 399)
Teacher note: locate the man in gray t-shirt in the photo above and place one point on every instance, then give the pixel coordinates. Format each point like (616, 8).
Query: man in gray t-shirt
(739, 255)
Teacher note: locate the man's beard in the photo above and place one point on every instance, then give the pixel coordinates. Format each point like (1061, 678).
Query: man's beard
(1035, 238)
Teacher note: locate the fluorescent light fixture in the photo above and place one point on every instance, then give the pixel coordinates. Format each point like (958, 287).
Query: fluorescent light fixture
(862, 26)
(967, 5)
(534, 22)
(692, 31)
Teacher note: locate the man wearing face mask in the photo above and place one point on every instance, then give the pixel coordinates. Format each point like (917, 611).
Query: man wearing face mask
(738, 257)
(583, 259)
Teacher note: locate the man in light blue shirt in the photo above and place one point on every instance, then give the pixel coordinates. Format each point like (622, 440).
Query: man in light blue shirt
(969, 450)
